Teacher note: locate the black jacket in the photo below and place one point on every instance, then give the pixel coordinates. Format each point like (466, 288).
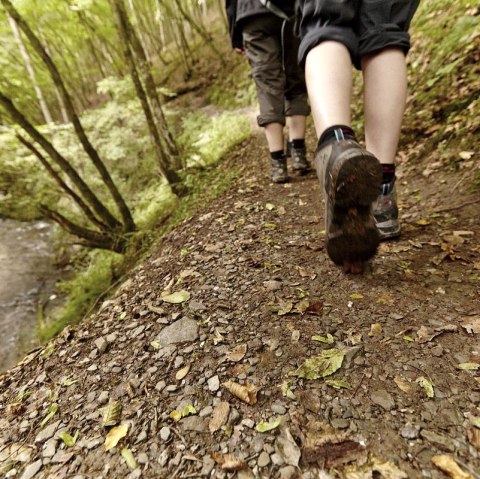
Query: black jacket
(238, 10)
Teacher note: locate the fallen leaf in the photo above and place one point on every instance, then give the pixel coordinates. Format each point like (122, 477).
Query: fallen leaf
(247, 393)
(315, 308)
(353, 337)
(427, 385)
(473, 436)
(219, 416)
(228, 462)
(376, 329)
(127, 454)
(284, 308)
(338, 384)
(356, 296)
(388, 470)
(111, 413)
(237, 353)
(403, 384)
(188, 410)
(423, 222)
(114, 435)
(51, 412)
(269, 206)
(329, 339)
(175, 298)
(67, 439)
(287, 448)
(475, 421)
(155, 345)
(175, 415)
(466, 155)
(408, 339)
(181, 373)
(286, 391)
(447, 464)
(218, 337)
(302, 306)
(468, 366)
(471, 324)
(268, 426)
(325, 364)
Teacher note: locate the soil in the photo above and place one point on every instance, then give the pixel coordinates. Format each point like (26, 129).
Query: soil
(260, 286)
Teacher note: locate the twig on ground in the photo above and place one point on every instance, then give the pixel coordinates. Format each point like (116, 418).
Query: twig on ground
(457, 207)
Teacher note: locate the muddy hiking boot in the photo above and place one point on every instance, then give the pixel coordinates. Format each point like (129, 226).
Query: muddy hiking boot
(385, 212)
(351, 179)
(300, 164)
(279, 170)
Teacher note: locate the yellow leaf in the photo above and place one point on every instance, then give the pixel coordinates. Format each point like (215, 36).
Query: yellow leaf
(129, 459)
(268, 426)
(269, 206)
(427, 385)
(247, 393)
(423, 222)
(448, 465)
(356, 296)
(111, 413)
(176, 298)
(176, 415)
(181, 373)
(114, 435)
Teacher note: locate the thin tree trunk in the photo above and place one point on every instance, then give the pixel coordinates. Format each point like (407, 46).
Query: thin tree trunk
(31, 72)
(64, 165)
(129, 224)
(162, 156)
(75, 197)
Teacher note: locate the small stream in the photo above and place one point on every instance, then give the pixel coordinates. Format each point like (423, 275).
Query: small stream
(27, 274)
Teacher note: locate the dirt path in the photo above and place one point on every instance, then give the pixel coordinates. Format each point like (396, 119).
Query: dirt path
(260, 286)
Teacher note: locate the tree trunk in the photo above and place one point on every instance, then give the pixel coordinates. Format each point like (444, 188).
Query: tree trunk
(160, 152)
(63, 164)
(31, 72)
(129, 225)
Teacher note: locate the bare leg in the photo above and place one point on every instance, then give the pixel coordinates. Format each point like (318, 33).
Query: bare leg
(328, 73)
(385, 78)
(274, 134)
(296, 127)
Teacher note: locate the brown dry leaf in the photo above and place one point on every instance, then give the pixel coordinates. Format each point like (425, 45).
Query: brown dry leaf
(375, 330)
(473, 435)
(326, 449)
(353, 337)
(471, 324)
(237, 353)
(425, 335)
(247, 393)
(404, 385)
(228, 462)
(219, 416)
(315, 308)
(447, 464)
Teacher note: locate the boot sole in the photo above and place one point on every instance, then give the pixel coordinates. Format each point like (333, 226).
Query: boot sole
(357, 184)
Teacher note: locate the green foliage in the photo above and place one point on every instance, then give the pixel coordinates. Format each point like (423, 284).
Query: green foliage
(97, 270)
(206, 139)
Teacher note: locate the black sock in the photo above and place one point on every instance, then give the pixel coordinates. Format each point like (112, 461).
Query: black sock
(388, 172)
(297, 144)
(277, 155)
(336, 132)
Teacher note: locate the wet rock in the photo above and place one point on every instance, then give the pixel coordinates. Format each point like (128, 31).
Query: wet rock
(277, 459)
(278, 409)
(183, 330)
(213, 384)
(234, 417)
(196, 306)
(340, 423)
(263, 459)
(442, 442)
(383, 398)
(31, 470)
(206, 411)
(49, 448)
(410, 431)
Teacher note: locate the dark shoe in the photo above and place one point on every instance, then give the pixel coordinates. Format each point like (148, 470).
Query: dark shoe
(279, 170)
(300, 164)
(351, 178)
(385, 212)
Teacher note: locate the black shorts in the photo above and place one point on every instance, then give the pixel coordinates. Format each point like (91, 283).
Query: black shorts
(363, 26)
